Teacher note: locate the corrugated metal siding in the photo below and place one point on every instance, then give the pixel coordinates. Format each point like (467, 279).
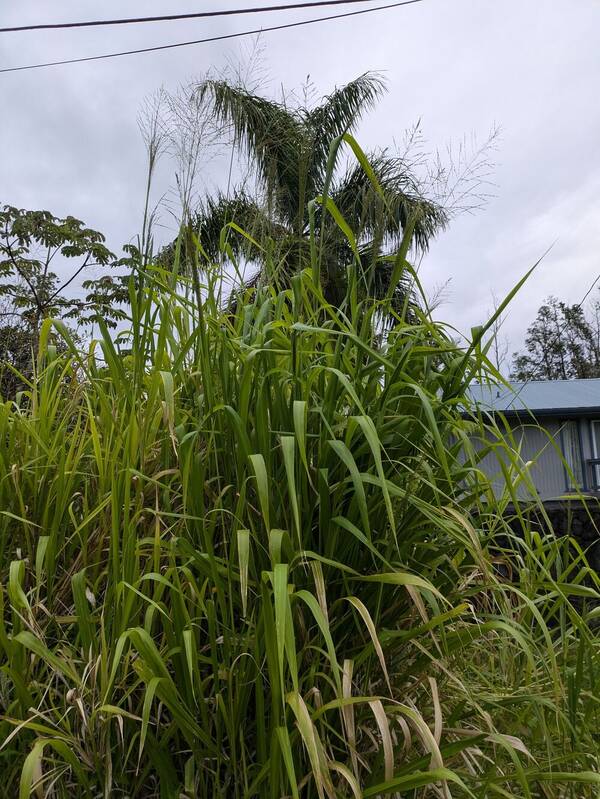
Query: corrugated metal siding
(544, 446)
(538, 445)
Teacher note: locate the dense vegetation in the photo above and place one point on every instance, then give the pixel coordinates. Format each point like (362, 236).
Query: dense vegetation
(254, 556)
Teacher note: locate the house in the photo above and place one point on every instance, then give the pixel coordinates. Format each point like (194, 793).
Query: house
(556, 424)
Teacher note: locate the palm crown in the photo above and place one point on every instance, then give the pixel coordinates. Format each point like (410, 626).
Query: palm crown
(289, 149)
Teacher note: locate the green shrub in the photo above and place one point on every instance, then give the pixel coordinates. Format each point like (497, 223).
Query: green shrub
(257, 558)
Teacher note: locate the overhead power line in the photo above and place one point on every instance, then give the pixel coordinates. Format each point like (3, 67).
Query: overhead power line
(175, 17)
(208, 39)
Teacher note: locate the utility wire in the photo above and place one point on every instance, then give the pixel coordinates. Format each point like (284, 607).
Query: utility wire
(208, 39)
(221, 38)
(174, 17)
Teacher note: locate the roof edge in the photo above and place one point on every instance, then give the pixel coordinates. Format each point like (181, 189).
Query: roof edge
(563, 413)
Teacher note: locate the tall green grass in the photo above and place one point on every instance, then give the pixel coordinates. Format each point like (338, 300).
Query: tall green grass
(256, 557)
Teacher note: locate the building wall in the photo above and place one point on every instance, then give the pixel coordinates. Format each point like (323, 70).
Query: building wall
(545, 447)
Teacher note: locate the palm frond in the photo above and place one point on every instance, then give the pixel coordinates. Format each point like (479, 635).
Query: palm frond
(209, 224)
(270, 134)
(216, 213)
(339, 113)
(369, 216)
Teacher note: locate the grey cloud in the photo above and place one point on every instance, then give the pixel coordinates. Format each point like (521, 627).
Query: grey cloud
(70, 141)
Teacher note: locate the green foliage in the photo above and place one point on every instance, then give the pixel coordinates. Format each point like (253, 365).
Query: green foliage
(562, 343)
(16, 357)
(108, 296)
(290, 151)
(31, 245)
(257, 558)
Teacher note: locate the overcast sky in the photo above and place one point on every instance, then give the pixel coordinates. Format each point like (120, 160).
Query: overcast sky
(69, 140)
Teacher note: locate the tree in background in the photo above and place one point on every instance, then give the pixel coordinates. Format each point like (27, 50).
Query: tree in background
(562, 343)
(30, 241)
(288, 149)
(32, 244)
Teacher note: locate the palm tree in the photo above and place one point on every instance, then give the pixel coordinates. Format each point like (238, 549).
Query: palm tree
(289, 151)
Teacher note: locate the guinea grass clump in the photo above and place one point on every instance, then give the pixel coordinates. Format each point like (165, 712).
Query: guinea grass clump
(256, 557)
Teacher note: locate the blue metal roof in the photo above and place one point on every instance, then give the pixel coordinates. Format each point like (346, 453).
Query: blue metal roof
(572, 397)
